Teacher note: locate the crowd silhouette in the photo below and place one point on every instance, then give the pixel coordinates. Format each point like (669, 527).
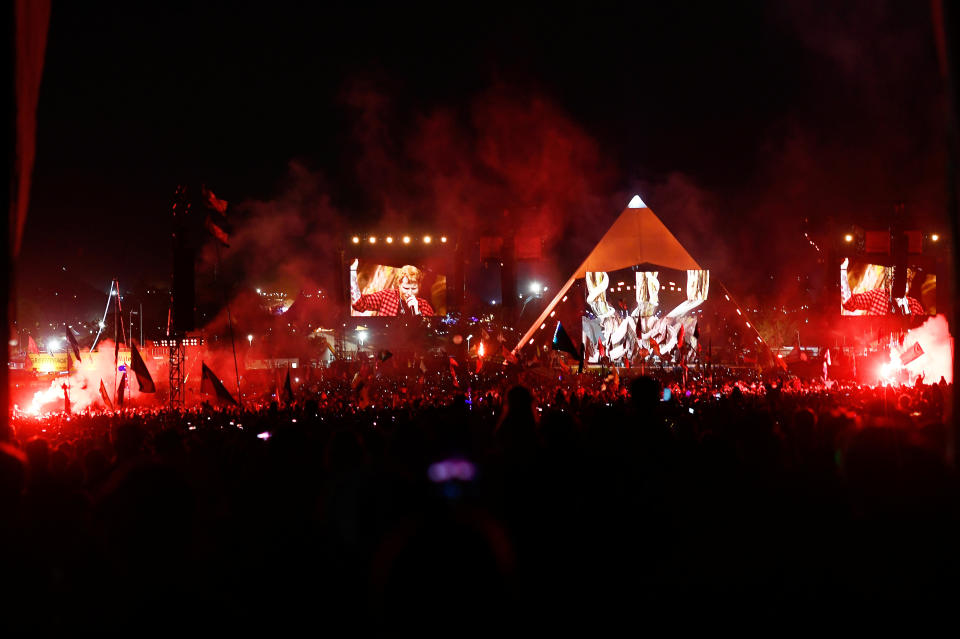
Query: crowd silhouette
(545, 508)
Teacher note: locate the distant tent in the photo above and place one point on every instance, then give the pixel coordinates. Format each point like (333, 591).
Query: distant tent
(637, 237)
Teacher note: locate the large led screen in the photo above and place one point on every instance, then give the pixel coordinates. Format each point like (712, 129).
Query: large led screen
(868, 289)
(396, 291)
(633, 314)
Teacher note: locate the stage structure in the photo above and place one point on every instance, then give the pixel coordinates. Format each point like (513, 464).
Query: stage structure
(639, 294)
(180, 318)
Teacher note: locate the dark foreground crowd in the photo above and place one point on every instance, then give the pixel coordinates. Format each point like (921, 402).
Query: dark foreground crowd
(759, 506)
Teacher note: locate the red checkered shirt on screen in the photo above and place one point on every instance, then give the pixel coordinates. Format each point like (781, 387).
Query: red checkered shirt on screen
(387, 303)
(877, 302)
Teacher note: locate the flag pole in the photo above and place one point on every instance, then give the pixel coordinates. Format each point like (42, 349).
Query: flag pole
(233, 344)
(116, 344)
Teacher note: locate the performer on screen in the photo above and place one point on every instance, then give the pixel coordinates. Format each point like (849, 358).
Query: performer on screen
(877, 300)
(392, 302)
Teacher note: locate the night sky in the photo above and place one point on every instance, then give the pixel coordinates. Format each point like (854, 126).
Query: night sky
(734, 121)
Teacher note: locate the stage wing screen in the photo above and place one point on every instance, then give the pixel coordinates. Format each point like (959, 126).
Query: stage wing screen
(635, 313)
(868, 289)
(379, 290)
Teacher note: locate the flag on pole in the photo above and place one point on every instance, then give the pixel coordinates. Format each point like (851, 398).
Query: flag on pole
(211, 385)
(288, 389)
(562, 342)
(105, 396)
(72, 341)
(911, 353)
(508, 355)
(140, 370)
(216, 220)
(453, 372)
(122, 390)
(212, 202)
(217, 230)
(32, 346)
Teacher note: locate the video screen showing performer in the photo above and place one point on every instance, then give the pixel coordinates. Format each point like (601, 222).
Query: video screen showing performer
(867, 289)
(396, 291)
(632, 314)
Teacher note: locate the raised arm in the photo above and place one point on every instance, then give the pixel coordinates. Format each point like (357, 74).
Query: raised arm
(354, 286)
(844, 283)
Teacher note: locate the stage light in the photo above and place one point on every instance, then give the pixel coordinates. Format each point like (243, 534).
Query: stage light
(102, 325)
(373, 240)
(534, 287)
(389, 240)
(356, 240)
(406, 239)
(258, 291)
(250, 340)
(426, 239)
(443, 239)
(934, 237)
(848, 238)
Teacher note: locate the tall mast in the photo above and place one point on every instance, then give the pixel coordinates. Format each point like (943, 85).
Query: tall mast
(115, 290)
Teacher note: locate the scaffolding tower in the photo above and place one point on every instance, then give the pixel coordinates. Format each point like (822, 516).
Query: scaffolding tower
(177, 354)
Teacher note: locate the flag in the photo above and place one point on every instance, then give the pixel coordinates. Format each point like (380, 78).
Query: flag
(655, 347)
(216, 220)
(453, 372)
(217, 228)
(211, 385)
(72, 341)
(508, 355)
(360, 377)
(911, 354)
(680, 338)
(287, 389)
(384, 355)
(423, 365)
(826, 358)
(32, 346)
(140, 370)
(562, 341)
(212, 202)
(122, 390)
(105, 396)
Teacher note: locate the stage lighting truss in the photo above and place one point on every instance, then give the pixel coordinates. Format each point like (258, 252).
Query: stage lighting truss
(425, 239)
